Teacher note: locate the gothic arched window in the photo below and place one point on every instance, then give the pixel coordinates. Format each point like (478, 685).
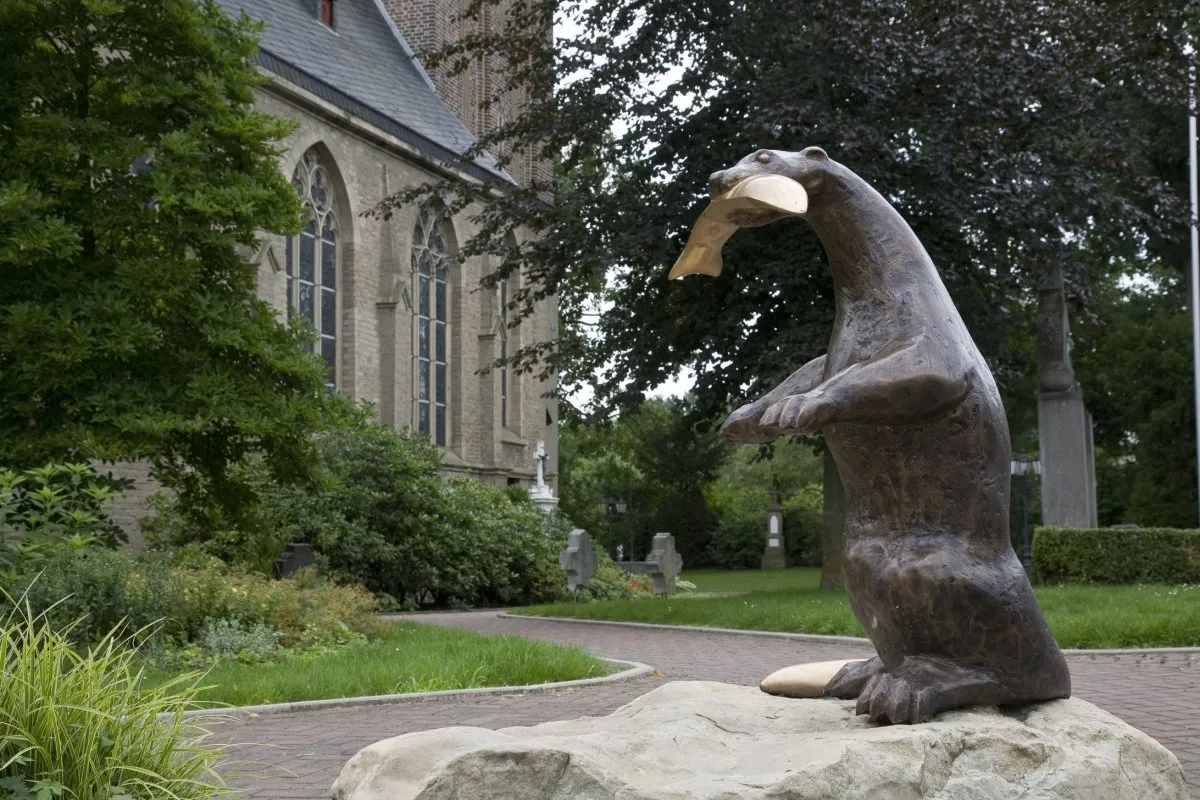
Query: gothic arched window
(503, 291)
(312, 261)
(431, 262)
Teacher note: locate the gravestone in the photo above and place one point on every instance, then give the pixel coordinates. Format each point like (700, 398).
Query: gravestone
(774, 557)
(578, 560)
(296, 556)
(663, 564)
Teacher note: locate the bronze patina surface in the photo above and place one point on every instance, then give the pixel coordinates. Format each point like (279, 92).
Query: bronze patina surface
(912, 416)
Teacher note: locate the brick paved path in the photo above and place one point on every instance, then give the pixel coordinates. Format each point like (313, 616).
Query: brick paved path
(298, 755)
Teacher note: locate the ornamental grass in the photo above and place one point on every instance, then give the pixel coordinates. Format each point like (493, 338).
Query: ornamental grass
(75, 723)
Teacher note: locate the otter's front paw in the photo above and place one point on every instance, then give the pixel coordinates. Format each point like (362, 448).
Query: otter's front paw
(742, 427)
(799, 414)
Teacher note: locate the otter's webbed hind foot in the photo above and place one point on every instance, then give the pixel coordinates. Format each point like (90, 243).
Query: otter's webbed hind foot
(848, 683)
(922, 688)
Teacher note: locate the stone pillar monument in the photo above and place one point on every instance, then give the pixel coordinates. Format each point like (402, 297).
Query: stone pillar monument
(542, 494)
(1064, 425)
(775, 554)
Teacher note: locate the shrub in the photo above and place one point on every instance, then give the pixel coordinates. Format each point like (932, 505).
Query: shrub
(236, 533)
(77, 724)
(610, 582)
(246, 644)
(802, 522)
(1116, 555)
(90, 592)
(504, 541)
(738, 542)
(380, 515)
(84, 593)
(45, 508)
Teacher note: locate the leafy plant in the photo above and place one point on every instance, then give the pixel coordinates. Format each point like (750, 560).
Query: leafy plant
(246, 644)
(137, 175)
(78, 724)
(379, 514)
(610, 582)
(57, 505)
(85, 594)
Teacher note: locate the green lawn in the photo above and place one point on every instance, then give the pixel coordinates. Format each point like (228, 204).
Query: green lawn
(752, 580)
(409, 658)
(1081, 616)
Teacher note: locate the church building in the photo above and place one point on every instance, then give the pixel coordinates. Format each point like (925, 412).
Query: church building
(403, 322)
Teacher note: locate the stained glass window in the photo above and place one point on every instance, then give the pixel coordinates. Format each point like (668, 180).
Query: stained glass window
(312, 262)
(431, 263)
(504, 352)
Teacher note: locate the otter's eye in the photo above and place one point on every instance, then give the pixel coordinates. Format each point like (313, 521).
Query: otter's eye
(764, 157)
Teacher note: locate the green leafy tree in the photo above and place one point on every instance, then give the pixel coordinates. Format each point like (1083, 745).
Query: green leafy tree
(1010, 135)
(135, 180)
(788, 473)
(1136, 364)
(1001, 130)
(657, 460)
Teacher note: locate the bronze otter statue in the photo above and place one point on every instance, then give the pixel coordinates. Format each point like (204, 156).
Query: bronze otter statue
(913, 419)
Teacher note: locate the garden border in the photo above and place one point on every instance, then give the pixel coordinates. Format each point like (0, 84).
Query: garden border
(819, 637)
(634, 669)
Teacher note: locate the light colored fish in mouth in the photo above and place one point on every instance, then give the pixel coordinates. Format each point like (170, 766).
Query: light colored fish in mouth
(755, 201)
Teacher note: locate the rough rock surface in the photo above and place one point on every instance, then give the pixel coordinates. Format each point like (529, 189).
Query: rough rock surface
(714, 741)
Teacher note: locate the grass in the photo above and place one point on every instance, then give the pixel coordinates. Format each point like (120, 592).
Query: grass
(409, 658)
(1081, 616)
(78, 724)
(752, 580)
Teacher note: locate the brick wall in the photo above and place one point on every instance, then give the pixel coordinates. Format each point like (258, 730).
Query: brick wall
(129, 508)
(428, 25)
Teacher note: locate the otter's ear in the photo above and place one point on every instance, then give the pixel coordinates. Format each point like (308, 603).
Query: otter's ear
(814, 153)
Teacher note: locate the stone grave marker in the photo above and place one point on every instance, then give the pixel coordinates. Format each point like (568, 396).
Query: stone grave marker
(578, 560)
(663, 564)
(296, 557)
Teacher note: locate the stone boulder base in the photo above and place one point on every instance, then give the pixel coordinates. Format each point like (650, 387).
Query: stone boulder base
(714, 741)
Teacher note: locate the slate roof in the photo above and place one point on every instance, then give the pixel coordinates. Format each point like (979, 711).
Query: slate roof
(364, 67)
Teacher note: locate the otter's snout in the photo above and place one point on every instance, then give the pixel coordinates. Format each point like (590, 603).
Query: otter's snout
(718, 183)
(722, 182)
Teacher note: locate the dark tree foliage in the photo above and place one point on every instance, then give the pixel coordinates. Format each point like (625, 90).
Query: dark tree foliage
(1133, 354)
(1001, 129)
(654, 461)
(1138, 370)
(135, 177)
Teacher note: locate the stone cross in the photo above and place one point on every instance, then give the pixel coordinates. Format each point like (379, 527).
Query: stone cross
(663, 564)
(578, 560)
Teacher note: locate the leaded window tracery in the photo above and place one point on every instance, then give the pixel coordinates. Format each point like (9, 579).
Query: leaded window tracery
(431, 263)
(312, 261)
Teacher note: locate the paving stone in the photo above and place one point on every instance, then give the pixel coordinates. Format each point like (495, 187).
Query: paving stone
(299, 754)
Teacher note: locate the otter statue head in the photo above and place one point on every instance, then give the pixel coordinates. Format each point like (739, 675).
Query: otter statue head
(764, 186)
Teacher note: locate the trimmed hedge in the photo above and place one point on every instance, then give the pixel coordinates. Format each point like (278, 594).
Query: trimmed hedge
(1116, 555)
